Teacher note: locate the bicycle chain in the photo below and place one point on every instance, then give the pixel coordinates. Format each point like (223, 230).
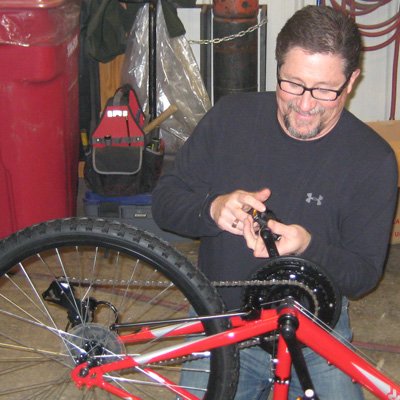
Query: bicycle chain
(252, 342)
(242, 345)
(246, 283)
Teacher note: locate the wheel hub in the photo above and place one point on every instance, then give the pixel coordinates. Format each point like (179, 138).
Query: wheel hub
(95, 344)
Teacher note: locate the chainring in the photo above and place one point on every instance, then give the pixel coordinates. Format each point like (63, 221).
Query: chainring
(305, 282)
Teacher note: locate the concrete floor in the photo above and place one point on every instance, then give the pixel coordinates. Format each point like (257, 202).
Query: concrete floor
(375, 318)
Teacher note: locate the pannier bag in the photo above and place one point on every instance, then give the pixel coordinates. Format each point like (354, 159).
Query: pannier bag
(115, 161)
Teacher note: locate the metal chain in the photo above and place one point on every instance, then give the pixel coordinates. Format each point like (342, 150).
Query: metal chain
(164, 284)
(230, 37)
(271, 337)
(241, 345)
(273, 282)
(245, 344)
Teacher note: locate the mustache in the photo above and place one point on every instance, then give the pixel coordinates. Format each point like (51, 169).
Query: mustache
(314, 111)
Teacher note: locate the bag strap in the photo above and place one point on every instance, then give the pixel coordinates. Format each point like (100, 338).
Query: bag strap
(121, 96)
(126, 96)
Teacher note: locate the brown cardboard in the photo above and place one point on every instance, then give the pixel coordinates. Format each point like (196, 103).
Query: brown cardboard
(395, 237)
(390, 131)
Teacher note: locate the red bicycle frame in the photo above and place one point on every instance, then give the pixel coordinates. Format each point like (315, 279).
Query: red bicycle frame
(308, 332)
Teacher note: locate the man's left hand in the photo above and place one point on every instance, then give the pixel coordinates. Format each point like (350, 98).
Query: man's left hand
(294, 239)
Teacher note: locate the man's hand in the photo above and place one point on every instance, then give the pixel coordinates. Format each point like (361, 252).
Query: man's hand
(229, 211)
(294, 239)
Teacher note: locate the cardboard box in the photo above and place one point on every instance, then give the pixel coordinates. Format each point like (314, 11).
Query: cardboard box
(390, 131)
(395, 238)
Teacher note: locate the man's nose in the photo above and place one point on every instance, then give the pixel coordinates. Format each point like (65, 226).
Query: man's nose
(306, 102)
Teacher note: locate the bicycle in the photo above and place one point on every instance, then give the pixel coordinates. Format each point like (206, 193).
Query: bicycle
(96, 309)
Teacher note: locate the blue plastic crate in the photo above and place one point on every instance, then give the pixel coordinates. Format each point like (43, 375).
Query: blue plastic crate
(139, 199)
(132, 210)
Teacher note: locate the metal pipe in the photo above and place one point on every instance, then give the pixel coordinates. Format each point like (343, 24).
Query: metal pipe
(235, 61)
(152, 59)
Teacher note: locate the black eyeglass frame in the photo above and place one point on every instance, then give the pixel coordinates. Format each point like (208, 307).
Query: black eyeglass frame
(338, 92)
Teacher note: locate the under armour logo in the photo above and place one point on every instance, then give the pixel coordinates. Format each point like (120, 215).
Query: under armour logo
(311, 198)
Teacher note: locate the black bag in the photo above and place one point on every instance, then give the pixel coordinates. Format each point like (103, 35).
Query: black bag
(119, 161)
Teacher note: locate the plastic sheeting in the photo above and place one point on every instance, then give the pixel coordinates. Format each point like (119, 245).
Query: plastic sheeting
(178, 78)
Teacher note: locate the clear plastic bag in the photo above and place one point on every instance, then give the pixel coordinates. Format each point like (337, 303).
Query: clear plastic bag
(178, 78)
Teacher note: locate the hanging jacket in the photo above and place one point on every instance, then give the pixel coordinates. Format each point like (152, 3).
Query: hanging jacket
(110, 22)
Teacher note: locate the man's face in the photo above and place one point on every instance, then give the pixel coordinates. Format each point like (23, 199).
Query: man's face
(303, 117)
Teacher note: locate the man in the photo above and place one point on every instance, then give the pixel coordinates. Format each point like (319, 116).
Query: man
(329, 178)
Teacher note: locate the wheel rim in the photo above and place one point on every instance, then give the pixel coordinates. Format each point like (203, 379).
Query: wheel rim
(39, 344)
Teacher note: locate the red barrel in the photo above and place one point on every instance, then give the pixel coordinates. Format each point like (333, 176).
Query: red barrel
(39, 135)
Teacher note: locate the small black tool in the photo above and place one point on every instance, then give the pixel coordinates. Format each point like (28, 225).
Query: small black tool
(268, 236)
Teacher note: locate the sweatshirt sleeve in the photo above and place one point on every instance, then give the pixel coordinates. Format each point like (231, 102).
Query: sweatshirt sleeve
(182, 198)
(356, 261)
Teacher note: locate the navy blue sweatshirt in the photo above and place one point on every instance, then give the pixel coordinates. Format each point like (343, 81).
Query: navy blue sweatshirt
(342, 188)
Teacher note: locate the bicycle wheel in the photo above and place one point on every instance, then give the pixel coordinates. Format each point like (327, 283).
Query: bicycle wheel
(65, 282)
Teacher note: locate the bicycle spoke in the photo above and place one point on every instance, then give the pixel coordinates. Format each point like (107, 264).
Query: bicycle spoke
(28, 283)
(59, 303)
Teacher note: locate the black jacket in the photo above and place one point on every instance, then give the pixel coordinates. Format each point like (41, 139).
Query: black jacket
(342, 188)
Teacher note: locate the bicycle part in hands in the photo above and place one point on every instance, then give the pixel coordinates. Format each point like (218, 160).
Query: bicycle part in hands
(262, 218)
(65, 283)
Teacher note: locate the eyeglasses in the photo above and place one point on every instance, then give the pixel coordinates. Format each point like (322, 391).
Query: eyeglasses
(318, 93)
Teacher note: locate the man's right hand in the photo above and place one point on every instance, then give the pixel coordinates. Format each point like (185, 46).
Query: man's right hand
(229, 211)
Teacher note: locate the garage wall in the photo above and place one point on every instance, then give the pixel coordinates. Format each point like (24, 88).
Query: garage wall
(371, 100)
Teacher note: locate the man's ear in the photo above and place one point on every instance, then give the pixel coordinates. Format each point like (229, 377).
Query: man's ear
(352, 80)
